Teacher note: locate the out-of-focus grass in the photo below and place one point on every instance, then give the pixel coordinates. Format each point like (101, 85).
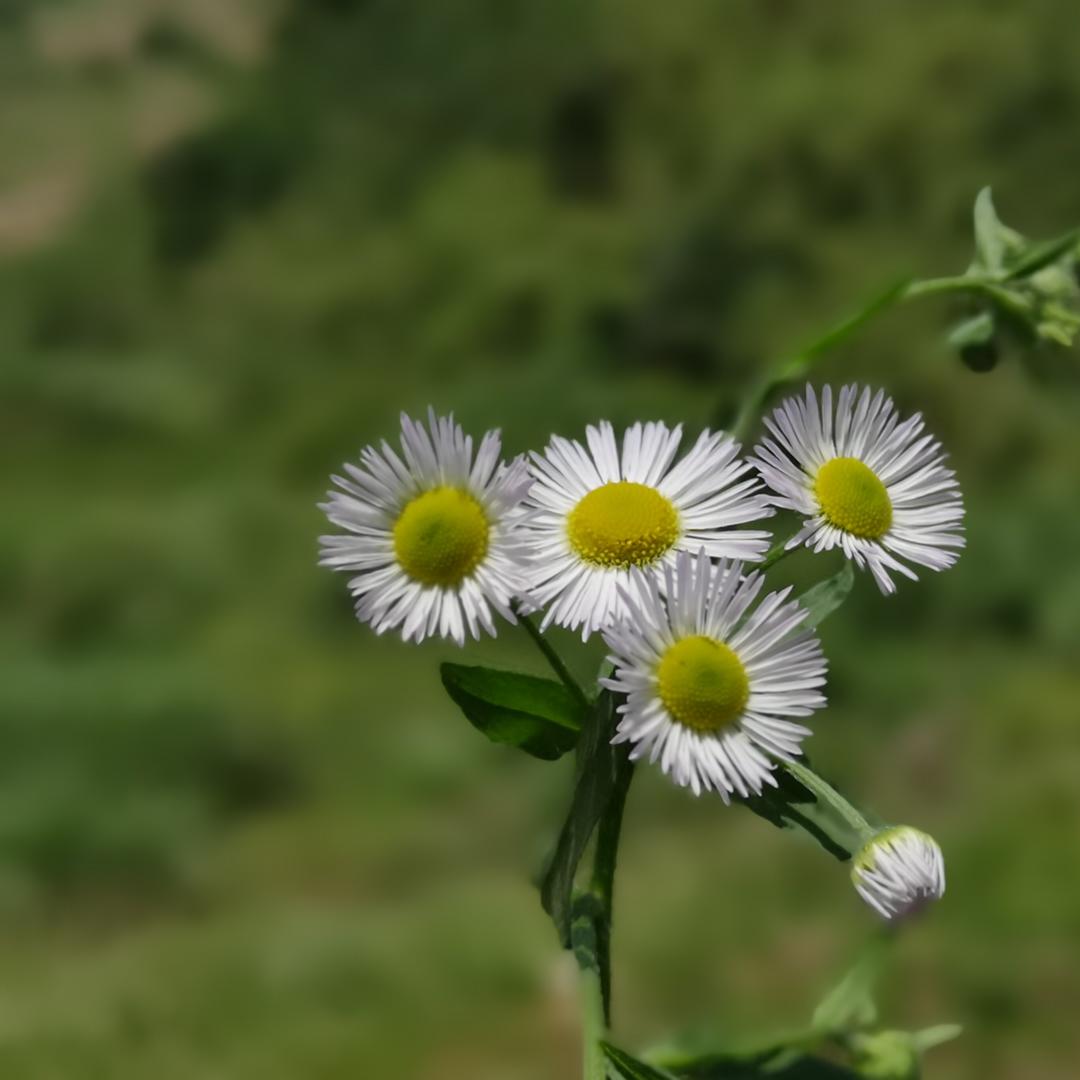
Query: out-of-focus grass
(239, 835)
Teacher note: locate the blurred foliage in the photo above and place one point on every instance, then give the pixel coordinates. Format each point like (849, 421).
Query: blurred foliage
(239, 836)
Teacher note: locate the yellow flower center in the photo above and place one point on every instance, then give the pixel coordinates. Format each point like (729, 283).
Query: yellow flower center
(441, 536)
(623, 524)
(703, 684)
(853, 498)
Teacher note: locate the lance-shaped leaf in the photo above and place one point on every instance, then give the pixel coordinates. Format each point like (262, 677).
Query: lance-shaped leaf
(990, 235)
(849, 1005)
(822, 599)
(536, 715)
(602, 772)
(630, 1068)
(778, 1063)
(1036, 257)
(802, 800)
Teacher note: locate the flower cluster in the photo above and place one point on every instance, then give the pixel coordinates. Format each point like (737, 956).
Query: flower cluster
(655, 551)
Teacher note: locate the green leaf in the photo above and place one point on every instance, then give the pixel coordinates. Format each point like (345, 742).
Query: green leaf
(629, 1068)
(849, 1006)
(602, 772)
(989, 236)
(800, 1068)
(978, 330)
(1037, 256)
(822, 599)
(930, 1037)
(536, 715)
(812, 806)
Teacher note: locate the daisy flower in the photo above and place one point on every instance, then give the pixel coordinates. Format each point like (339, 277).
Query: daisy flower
(899, 872)
(867, 483)
(601, 513)
(711, 683)
(430, 534)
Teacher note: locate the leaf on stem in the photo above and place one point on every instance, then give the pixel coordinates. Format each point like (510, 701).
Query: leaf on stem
(822, 599)
(791, 805)
(990, 244)
(629, 1068)
(539, 716)
(776, 1063)
(602, 771)
(849, 1005)
(1037, 256)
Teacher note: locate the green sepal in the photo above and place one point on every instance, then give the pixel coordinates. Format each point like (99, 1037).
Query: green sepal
(536, 715)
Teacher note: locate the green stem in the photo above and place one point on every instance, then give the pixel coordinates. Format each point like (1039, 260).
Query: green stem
(778, 551)
(553, 658)
(605, 858)
(593, 1027)
(798, 364)
(828, 794)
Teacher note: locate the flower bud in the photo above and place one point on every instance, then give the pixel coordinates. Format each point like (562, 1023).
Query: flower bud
(899, 871)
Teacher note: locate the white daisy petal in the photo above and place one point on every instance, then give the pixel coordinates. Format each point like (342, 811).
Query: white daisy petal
(433, 534)
(608, 517)
(867, 483)
(709, 694)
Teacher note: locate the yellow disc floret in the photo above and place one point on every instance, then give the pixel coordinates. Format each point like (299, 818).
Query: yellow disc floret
(853, 498)
(623, 524)
(441, 536)
(703, 684)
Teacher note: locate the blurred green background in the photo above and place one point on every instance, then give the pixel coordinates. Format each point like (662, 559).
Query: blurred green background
(240, 837)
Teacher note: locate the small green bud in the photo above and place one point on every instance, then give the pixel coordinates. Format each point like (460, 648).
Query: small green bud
(886, 1055)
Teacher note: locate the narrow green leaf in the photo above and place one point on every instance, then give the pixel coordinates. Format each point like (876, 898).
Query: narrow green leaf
(800, 1068)
(849, 1005)
(802, 800)
(978, 330)
(989, 236)
(930, 1037)
(601, 769)
(536, 715)
(629, 1068)
(1037, 256)
(822, 599)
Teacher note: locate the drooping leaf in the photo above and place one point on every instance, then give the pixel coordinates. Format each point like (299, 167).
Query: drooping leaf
(793, 805)
(822, 599)
(630, 1068)
(978, 330)
(536, 715)
(975, 339)
(602, 770)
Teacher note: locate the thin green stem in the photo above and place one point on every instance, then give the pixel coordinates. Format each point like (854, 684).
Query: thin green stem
(553, 658)
(605, 859)
(778, 551)
(593, 1026)
(827, 793)
(799, 363)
